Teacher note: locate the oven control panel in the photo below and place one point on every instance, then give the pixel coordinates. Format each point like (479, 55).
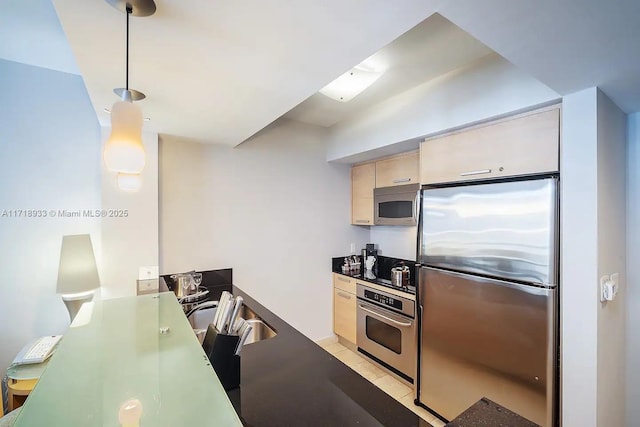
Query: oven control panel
(397, 303)
(387, 300)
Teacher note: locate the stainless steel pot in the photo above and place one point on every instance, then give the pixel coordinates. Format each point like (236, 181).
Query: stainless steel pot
(400, 276)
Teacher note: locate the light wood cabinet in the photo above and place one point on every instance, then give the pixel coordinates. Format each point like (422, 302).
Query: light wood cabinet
(520, 145)
(344, 307)
(398, 170)
(363, 181)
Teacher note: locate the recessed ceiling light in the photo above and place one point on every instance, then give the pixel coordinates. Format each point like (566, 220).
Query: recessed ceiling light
(351, 84)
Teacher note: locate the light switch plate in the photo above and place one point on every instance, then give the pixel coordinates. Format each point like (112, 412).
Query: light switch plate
(150, 272)
(147, 286)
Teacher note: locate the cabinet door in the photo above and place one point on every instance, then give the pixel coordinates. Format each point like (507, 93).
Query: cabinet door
(519, 146)
(398, 170)
(344, 314)
(344, 283)
(363, 181)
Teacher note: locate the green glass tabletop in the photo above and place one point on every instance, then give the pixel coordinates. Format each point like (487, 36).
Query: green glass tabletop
(129, 348)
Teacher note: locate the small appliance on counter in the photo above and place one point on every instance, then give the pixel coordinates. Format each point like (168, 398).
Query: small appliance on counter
(369, 258)
(400, 275)
(381, 272)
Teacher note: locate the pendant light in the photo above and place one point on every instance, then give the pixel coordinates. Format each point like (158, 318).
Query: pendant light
(123, 151)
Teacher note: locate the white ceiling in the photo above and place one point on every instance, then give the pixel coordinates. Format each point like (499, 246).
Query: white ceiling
(220, 71)
(419, 55)
(30, 33)
(568, 45)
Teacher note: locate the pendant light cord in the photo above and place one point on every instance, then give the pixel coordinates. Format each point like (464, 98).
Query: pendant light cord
(129, 12)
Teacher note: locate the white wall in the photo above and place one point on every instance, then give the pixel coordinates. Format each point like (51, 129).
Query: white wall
(130, 242)
(489, 88)
(49, 159)
(579, 258)
(272, 209)
(395, 241)
(593, 242)
(612, 194)
(633, 270)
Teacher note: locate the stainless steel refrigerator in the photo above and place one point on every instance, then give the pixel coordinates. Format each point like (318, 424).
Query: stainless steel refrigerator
(488, 298)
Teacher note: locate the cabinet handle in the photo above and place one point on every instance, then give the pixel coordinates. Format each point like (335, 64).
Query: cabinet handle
(362, 221)
(343, 295)
(398, 180)
(343, 279)
(478, 172)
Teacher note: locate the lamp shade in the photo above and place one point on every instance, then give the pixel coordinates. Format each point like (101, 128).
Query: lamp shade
(77, 272)
(124, 151)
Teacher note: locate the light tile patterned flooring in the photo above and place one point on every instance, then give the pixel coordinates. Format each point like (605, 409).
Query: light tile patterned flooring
(394, 388)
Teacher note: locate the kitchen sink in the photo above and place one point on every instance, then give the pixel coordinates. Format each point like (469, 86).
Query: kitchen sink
(260, 331)
(246, 313)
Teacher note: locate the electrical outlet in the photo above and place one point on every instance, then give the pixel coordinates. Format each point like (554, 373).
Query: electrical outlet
(609, 287)
(353, 248)
(615, 277)
(146, 273)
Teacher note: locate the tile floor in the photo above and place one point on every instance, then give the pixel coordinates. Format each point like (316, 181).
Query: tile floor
(394, 388)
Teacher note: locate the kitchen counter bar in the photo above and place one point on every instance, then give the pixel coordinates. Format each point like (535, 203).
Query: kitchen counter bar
(289, 380)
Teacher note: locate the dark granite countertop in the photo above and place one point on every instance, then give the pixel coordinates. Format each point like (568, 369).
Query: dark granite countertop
(289, 380)
(486, 413)
(382, 272)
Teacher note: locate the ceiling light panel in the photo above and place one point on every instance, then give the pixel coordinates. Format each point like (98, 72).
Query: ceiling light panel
(350, 84)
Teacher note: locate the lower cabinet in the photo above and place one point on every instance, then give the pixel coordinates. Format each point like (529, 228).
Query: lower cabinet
(344, 307)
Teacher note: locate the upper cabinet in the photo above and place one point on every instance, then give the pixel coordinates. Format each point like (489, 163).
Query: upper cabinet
(521, 145)
(399, 170)
(363, 181)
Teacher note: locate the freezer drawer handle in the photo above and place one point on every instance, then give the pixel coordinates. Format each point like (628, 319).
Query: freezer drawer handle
(478, 172)
(384, 317)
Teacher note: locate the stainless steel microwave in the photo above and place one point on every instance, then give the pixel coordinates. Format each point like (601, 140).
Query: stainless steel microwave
(396, 205)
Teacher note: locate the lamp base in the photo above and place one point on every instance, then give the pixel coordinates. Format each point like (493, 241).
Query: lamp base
(75, 301)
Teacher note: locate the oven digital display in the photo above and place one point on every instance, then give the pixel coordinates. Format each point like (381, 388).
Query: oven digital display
(383, 299)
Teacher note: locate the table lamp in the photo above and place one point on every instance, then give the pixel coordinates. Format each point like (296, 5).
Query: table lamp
(78, 273)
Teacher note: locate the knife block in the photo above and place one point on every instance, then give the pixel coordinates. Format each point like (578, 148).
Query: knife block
(220, 349)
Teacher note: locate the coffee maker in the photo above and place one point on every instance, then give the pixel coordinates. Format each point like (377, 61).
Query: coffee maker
(370, 264)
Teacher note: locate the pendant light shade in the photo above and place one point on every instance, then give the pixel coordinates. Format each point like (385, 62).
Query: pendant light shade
(124, 151)
(131, 182)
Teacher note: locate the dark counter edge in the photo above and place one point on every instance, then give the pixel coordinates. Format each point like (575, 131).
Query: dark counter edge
(290, 349)
(277, 372)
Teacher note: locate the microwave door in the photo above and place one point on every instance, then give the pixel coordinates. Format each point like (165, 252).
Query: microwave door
(396, 205)
(506, 229)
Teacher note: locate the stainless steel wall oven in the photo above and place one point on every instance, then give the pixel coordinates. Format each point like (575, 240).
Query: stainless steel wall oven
(386, 330)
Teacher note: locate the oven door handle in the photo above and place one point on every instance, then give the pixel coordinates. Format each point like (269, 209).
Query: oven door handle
(406, 325)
